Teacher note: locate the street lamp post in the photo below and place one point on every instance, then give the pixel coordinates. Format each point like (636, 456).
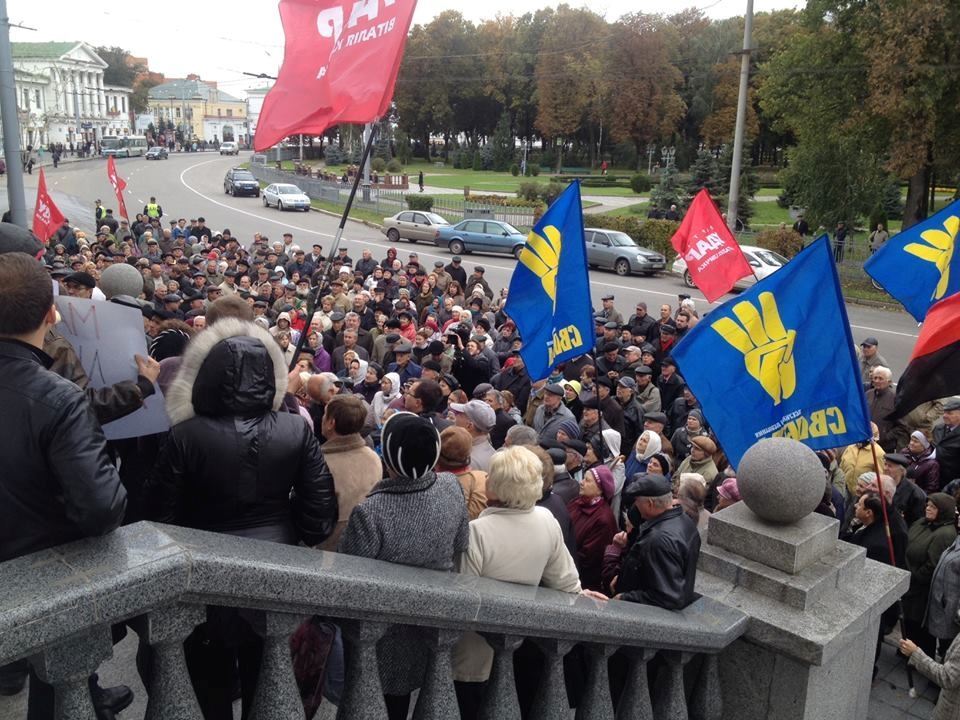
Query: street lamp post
(651, 150)
(737, 159)
(667, 154)
(11, 124)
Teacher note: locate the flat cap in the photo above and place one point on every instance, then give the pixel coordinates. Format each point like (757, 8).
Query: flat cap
(554, 389)
(649, 485)
(897, 459)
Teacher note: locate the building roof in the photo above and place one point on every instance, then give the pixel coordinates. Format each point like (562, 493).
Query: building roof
(189, 90)
(41, 50)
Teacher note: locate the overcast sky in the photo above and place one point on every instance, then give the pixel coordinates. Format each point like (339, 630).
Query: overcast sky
(218, 43)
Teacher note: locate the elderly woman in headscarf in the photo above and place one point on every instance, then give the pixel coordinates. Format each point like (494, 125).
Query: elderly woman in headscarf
(389, 391)
(923, 469)
(647, 445)
(593, 524)
(616, 464)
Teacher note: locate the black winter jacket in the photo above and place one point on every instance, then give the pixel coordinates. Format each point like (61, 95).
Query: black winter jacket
(58, 483)
(661, 566)
(232, 462)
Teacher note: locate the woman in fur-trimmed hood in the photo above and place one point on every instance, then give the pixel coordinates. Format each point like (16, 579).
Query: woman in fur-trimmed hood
(233, 456)
(235, 463)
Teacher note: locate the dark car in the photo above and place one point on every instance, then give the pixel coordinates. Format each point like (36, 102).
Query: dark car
(239, 181)
(157, 152)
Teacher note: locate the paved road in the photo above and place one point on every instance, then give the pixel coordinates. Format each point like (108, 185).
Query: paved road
(192, 184)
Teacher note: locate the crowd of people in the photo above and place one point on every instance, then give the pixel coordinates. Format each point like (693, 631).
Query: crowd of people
(380, 407)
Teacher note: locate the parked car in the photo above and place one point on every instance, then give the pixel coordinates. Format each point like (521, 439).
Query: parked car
(412, 225)
(157, 152)
(240, 181)
(285, 196)
(614, 250)
(480, 236)
(229, 148)
(763, 262)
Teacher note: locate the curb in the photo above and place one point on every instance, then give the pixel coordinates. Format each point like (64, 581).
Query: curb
(372, 225)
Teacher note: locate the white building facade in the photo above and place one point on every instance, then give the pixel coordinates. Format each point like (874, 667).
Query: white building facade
(62, 97)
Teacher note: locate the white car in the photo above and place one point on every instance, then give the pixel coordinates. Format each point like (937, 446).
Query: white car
(229, 148)
(763, 262)
(285, 197)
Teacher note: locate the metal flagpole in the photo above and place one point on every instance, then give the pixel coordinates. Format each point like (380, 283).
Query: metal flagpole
(322, 285)
(893, 557)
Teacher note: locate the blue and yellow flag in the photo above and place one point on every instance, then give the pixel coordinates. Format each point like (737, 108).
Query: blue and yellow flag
(549, 296)
(779, 361)
(919, 267)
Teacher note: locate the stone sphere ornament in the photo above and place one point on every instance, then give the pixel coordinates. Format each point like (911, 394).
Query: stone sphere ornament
(781, 480)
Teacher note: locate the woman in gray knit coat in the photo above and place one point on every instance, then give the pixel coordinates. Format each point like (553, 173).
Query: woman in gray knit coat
(946, 675)
(414, 517)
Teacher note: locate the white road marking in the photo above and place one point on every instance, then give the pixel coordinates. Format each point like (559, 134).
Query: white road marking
(416, 248)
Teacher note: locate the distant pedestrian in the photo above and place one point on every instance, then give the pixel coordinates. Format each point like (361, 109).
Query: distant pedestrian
(878, 237)
(420, 180)
(839, 241)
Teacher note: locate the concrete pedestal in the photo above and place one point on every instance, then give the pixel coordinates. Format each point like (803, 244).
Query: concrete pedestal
(814, 605)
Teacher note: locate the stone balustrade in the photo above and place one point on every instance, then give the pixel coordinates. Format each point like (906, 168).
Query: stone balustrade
(57, 607)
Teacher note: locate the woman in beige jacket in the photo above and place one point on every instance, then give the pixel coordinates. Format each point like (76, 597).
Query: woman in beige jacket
(515, 541)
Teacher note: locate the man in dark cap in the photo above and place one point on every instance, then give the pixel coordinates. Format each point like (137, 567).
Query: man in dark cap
(632, 413)
(946, 440)
(660, 568)
(456, 271)
(403, 364)
(548, 417)
(641, 324)
(908, 499)
(80, 285)
(478, 280)
(671, 384)
(870, 358)
(611, 363)
(609, 311)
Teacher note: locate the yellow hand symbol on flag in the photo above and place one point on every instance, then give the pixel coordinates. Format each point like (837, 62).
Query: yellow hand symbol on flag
(541, 255)
(939, 251)
(767, 346)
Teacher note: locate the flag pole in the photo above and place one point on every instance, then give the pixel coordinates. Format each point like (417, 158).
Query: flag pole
(322, 285)
(893, 557)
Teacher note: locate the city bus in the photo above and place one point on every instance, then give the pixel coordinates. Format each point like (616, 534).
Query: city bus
(126, 146)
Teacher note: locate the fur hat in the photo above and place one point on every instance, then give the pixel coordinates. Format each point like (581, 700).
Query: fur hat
(411, 445)
(455, 447)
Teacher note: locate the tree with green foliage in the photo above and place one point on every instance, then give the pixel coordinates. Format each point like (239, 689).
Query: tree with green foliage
(120, 70)
(704, 174)
(502, 144)
(668, 192)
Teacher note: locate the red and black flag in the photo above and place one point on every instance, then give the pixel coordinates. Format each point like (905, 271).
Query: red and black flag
(934, 368)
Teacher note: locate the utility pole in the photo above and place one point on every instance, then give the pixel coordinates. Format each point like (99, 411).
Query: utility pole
(737, 160)
(11, 125)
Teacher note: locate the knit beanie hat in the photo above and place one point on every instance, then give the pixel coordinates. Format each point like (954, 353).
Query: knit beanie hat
(921, 438)
(604, 480)
(411, 445)
(570, 427)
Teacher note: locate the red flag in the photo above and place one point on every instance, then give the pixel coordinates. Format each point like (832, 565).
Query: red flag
(340, 63)
(714, 259)
(47, 218)
(119, 185)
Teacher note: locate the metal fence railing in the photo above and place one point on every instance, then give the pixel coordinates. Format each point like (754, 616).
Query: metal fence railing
(388, 202)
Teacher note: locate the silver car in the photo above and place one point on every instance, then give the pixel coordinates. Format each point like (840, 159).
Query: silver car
(412, 225)
(285, 197)
(614, 250)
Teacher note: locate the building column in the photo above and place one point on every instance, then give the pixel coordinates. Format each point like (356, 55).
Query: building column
(103, 95)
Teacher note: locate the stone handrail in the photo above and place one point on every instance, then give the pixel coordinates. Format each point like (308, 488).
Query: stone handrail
(57, 606)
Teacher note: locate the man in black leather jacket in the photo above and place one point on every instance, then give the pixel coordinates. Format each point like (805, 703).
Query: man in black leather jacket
(58, 483)
(660, 567)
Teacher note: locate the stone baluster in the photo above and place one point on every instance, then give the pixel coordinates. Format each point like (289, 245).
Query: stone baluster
(596, 703)
(171, 694)
(362, 697)
(277, 696)
(500, 698)
(669, 700)
(438, 699)
(707, 701)
(67, 666)
(635, 701)
(550, 702)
